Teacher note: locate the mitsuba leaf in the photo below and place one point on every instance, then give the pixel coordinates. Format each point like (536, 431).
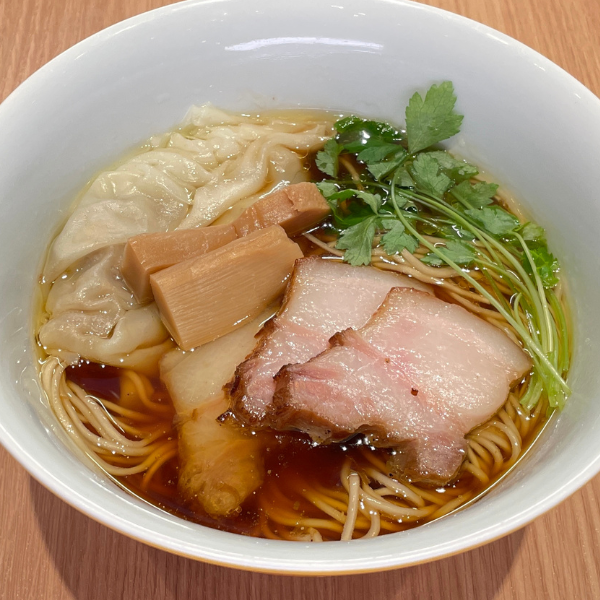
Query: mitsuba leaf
(381, 169)
(456, 231)
(351, 214)
(531, 232)
(334, 199)
(475, 195)
(327, 159)
(389, 221)
(433, 119)
(460, 252)
(426, 174)
(373, 128)
(358, 242)
(396, 239)
(457, 170)
(377, 152)
(356, 134)
(546, 265)
(403, 178)
(373, 200)
(327, 188)
(494, 219)
(341, 196)
(334, 196)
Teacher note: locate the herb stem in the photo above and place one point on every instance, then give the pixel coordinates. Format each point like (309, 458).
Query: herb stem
(541, 292)
(529, 342)
(403, 194)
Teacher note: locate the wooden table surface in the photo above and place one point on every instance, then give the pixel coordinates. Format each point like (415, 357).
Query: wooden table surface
(48, 550)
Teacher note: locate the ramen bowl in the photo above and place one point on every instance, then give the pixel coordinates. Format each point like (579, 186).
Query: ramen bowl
(527, 122)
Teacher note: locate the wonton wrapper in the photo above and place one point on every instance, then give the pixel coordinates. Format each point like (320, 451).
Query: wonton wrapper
(220, 464)
(119, 204)
(94, 315)
(183, 179)
(246, 176)
(153, 191)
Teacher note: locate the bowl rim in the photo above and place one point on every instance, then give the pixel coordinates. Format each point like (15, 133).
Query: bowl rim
(234, 560)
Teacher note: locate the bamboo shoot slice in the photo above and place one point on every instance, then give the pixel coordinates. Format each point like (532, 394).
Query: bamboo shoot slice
(296, 208)
(151, 252)
(204, 298)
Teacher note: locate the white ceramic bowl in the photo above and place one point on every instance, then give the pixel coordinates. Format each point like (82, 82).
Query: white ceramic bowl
(527, 121)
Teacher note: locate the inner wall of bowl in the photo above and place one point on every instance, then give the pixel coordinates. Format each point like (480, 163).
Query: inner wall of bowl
(528, 123)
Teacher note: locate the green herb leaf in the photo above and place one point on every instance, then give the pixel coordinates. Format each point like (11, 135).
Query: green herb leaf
(389, 221)
(406, 203)
(426, 173)
(373, 200)
(356, 134)
(334, 196)
(475, 195)
(403, 179)
(396, 239)
(334, 200)
(327, 159)
(456, 231)
(381, 169)
(401, 200)
(531, 232)
(349, 123)
(352, 213)
(462, 253)
(327, 188)
(341, 196)
(373, 128)
(494, 219)
(458, 170)
(377, 152)
(546, 266)
(358, 242)
(432, 120)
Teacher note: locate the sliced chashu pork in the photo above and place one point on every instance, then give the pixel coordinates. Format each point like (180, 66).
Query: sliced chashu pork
(419, 376)
(322, 298)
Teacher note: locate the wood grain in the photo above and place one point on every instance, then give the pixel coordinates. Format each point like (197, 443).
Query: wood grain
(50, 551)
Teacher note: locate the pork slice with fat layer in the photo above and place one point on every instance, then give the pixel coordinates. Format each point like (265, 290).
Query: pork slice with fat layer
(418, 376)
(322, 298)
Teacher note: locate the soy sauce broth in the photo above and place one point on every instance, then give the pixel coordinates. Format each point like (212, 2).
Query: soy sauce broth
(293, 464)
(290, 461)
